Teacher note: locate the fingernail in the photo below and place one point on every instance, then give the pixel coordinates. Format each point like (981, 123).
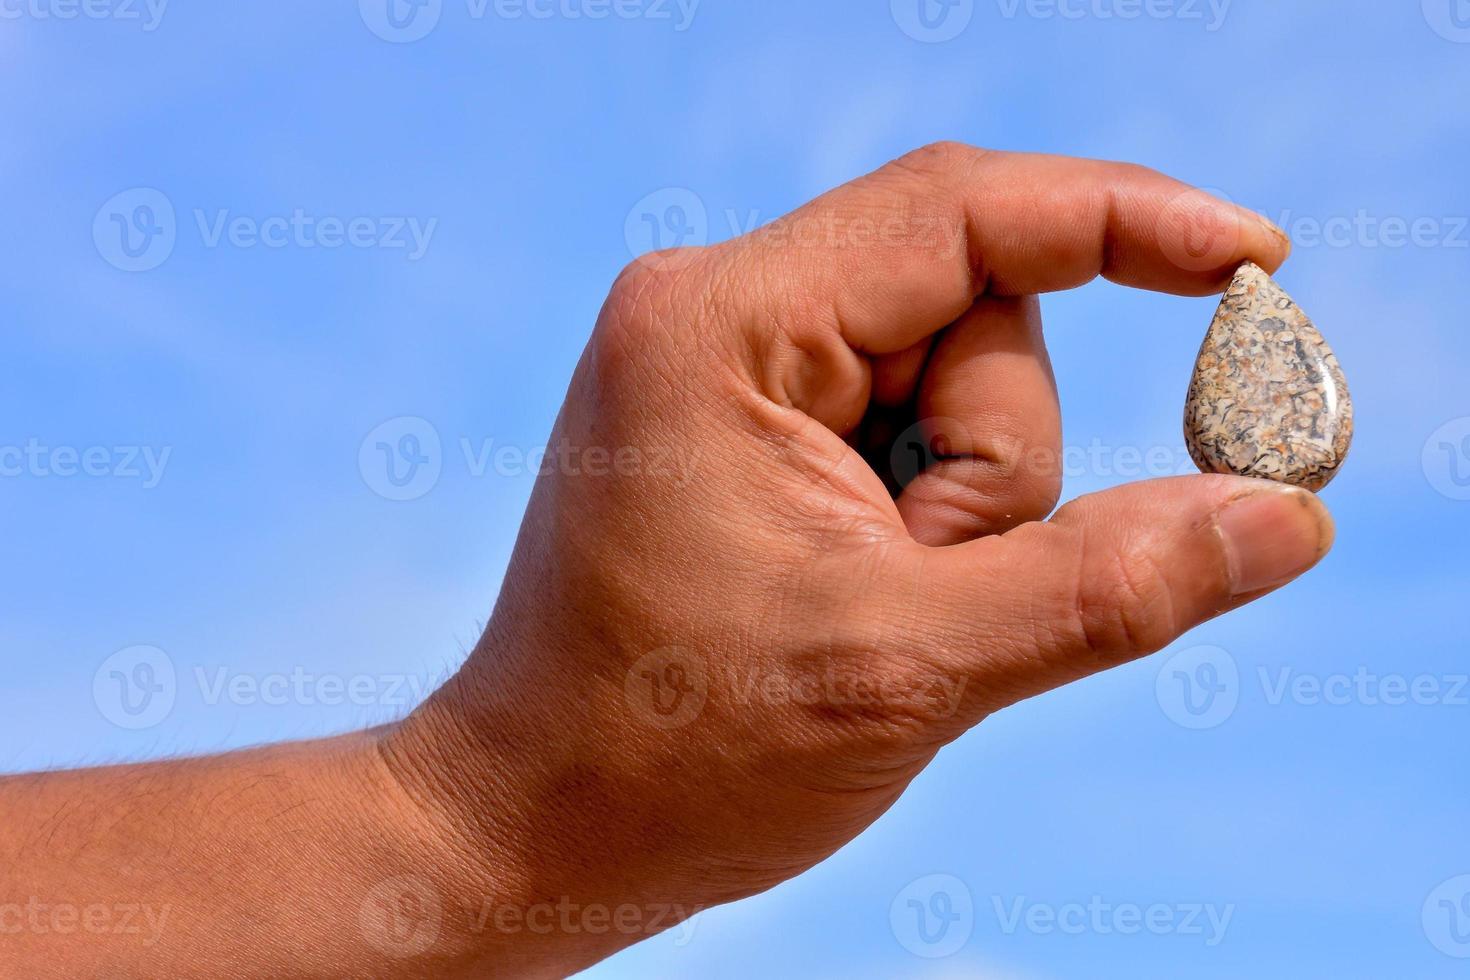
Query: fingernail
(1272, 535)
(1273, 229)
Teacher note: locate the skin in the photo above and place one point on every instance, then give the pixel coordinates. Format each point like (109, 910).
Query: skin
(726, 646)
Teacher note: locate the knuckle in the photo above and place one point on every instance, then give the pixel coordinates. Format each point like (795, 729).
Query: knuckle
(883, 683)
(1118, 602)
(978, 495)
(948, 157)
(1127, 172)
(631, 323)
(655, 292)
(639, 289)
(1125, 604)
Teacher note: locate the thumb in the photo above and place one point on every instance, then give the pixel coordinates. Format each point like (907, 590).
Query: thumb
(1116, 575)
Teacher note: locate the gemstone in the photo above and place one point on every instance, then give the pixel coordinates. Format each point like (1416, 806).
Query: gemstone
(1268, 398)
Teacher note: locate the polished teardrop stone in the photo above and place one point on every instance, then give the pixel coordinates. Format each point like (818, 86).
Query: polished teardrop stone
(1268, 398)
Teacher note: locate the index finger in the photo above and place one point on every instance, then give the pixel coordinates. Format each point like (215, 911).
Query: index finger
(899, 254)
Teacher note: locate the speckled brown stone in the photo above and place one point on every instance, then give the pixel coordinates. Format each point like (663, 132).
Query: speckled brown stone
(1268, 398)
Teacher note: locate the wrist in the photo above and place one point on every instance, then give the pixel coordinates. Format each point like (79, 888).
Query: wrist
(519, 879)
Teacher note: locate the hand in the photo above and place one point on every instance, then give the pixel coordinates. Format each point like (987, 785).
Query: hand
(725, 645)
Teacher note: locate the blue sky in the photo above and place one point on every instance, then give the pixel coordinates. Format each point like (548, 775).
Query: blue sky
(233, 525)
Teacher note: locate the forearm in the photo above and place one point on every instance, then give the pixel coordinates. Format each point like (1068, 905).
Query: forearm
(457, 843)
(295, 860)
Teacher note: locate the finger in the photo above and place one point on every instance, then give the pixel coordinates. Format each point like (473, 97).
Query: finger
(877, 265)
(896, 376)
(1113, 576)
(990, 426)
